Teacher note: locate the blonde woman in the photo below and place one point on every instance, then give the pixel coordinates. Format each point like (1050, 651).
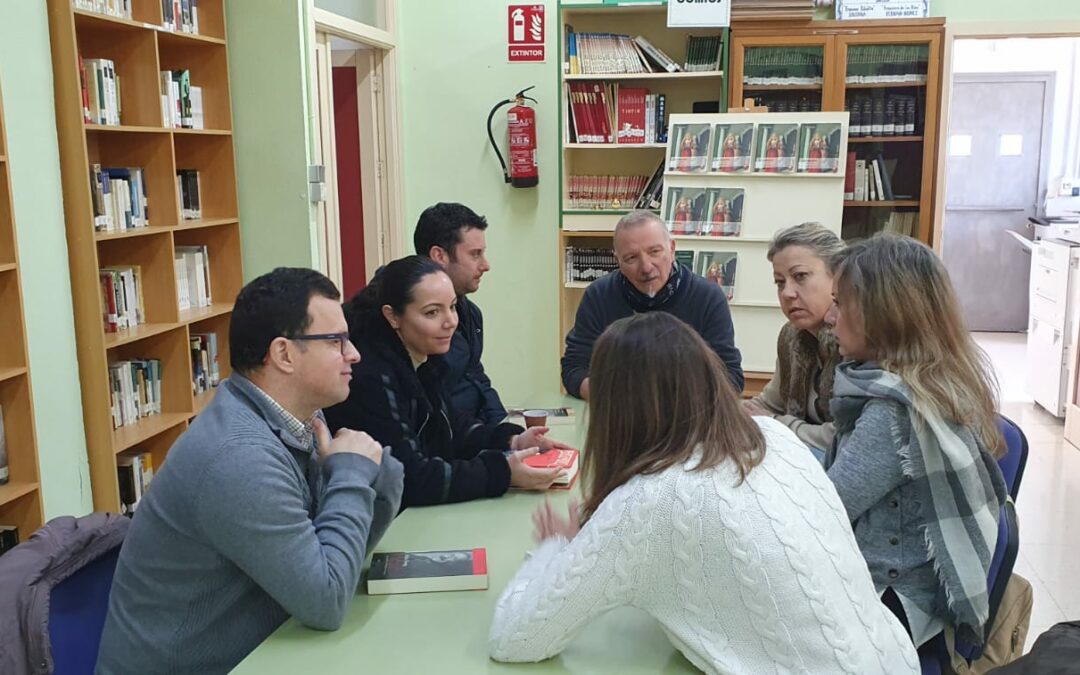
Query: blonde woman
(914, 409)
(798, 395)
(722, 527)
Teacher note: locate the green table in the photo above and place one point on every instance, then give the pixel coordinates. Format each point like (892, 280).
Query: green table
(447, 632)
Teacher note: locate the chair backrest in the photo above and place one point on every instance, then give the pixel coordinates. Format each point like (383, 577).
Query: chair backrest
(77, 609)
(1015, 459)
(1001, 567)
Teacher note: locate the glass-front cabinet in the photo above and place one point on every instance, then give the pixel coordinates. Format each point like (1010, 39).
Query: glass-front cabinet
(887, 75)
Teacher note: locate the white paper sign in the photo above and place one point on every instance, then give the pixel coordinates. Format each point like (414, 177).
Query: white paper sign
(882, 9)
(698, 13)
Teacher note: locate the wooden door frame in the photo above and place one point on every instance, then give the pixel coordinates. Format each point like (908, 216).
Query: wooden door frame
(980, 30)
(381, 152)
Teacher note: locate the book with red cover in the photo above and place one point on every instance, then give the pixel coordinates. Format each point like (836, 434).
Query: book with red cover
(425, 571)
(849, 177)
(560, 459)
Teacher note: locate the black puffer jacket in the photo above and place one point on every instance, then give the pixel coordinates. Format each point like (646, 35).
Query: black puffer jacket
(448, 456)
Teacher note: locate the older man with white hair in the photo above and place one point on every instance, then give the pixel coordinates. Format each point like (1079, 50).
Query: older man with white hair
(648, 280)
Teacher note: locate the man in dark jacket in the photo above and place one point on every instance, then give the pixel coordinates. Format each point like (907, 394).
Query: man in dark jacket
(648, 280)
(453, 236)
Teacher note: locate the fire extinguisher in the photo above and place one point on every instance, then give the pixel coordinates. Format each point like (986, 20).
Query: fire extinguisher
(521, 128)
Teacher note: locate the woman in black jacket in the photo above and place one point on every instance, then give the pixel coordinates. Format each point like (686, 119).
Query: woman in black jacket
(402, 323)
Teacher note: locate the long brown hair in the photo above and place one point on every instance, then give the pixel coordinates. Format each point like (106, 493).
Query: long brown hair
(658, 392)
(914, 326)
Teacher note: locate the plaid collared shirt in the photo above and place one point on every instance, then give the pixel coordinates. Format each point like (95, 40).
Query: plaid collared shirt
(301, 431)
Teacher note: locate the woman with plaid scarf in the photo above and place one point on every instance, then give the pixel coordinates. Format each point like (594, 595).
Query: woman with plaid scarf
(914, 407)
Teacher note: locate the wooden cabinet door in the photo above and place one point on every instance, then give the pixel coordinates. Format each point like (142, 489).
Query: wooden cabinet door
(788, 73)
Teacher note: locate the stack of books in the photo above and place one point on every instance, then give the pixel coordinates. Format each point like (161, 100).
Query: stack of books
(100, 91)
(192, 266)
(205, 373)
(772, 10)
(118, 197)
(134, 473)
(703, 53)
(136, 390)
(604, 192)
(180, 15)
(181, 103)
(121, 297)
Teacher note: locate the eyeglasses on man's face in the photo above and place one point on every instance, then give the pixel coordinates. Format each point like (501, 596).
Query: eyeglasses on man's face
(341, 338)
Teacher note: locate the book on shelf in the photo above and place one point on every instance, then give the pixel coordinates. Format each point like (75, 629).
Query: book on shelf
(719, 267)
(9, 538)
(118, 198)
(703, 53)
(606, 112)
(651, 196)
(188, 193)
(606, 54)
(604, 192)
(555, 416)
(849, 176)
(5, 472)
(683, 257)
(630, 114)
(882, 115)
(565, 460)
(122, 297)
(181, 103)
(819, 147)
(657, 57)
(733, 147)
(427, 571)
(205, 371)
(134, 473)
(192, 266)
(135, 390)
(777, 147)
(887, 64)
(180, 15)
(585, 265)
(688, 151)
(120, 9)
(101, 91)
(782, 65)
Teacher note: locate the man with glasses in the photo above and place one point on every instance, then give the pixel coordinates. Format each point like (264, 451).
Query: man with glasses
(258, 514)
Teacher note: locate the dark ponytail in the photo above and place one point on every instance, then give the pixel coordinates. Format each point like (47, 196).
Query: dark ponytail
(392, 285)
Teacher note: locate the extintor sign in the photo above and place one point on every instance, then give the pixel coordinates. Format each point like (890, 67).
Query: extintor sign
(525, 33)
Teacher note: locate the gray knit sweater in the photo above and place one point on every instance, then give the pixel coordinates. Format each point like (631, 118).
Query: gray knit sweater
(240, 529)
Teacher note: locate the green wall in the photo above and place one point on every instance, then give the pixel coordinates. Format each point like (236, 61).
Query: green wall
(446, 95)
(268, 70)
(364, 11)
(26, 79)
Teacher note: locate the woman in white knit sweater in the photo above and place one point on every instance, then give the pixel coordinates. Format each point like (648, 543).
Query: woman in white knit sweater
(721, 526)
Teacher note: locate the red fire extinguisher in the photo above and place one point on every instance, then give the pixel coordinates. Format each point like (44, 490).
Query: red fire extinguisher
(521, 128)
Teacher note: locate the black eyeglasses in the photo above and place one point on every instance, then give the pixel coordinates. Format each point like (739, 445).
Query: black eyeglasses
(341, 338)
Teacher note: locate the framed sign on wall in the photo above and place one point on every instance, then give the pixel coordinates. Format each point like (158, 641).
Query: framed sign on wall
(882, 9)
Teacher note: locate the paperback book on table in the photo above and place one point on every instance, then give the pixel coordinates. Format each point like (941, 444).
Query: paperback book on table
(567, 460)
(428, 571)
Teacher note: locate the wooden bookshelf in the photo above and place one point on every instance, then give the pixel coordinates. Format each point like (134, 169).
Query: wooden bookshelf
(839, 52)
(20, 497)
(141, 48)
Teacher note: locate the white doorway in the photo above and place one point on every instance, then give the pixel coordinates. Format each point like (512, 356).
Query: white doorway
(359, 203)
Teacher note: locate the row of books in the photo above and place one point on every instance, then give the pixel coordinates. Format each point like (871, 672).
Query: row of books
(587, 264)
(180, 15)
(703, 53)
(205, 372)
(604, 192)
(192, 267)
(136, 390)
(188, 190)
(872, 221)
(118, 197)
(768, 148)
(789, 102)
(121, 9)
(768, 66)
(121, 297)
(869, 179)
(610, 113)
(134, 473)
(100, 91)
(890, 115)
(612, 53)
(717, 267)
(887, 64)
(181, 103)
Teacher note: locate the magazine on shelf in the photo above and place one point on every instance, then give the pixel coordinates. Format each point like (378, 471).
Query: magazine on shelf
(725, 212)
(777, 146)
(819, 148)
(734, 147)
(689, 148)
(686, 209)
(718, 267)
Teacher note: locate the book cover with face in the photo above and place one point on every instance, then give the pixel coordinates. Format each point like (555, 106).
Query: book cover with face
(725, 212)
(777, 147)
(685, 209)
(819, 148)
(689, 150)
(718, 267)
(734, 146)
